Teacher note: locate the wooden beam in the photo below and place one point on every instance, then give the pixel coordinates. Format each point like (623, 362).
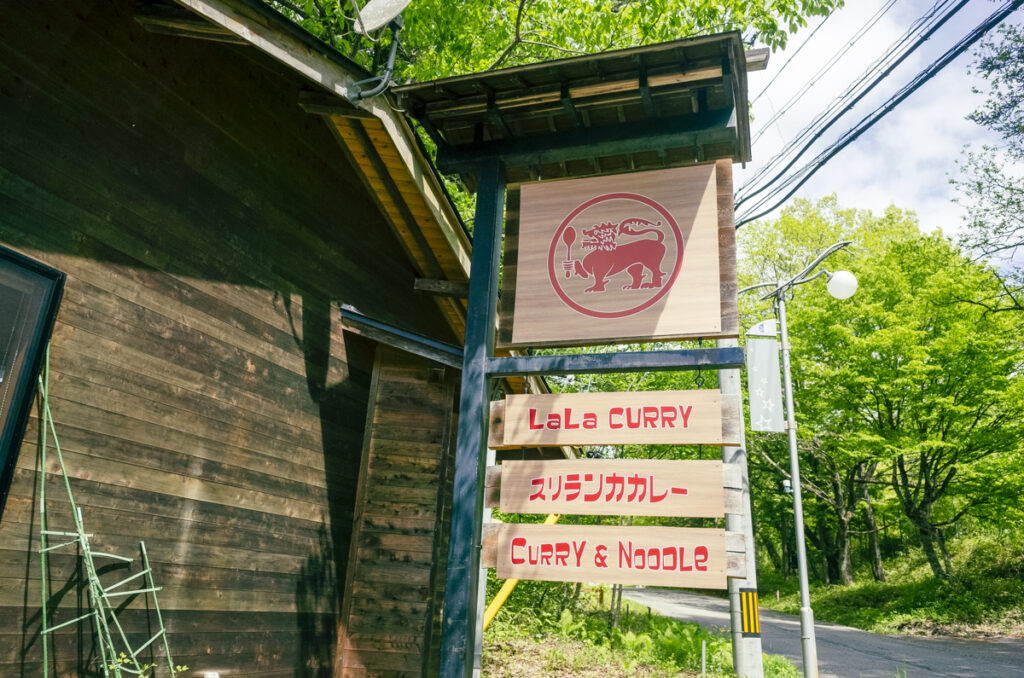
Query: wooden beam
(701, 128)
(289, 44)
(645, 91)
(426, 181)
(410, 342)
(323, 103)
(494, 115)
(426, 254)
(442, 288)
(603, 363)
(568, 106)
(170, 19)
(757, 59)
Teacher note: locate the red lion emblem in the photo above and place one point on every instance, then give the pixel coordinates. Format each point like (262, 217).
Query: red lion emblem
(609, 257)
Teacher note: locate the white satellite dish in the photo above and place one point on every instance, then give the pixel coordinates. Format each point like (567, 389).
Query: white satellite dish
(377, 13)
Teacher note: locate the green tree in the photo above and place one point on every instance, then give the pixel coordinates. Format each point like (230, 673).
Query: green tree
(904, 376)
(835, 474)
(443, 38)
(990, 182)
(1001, 63)
(899, 382)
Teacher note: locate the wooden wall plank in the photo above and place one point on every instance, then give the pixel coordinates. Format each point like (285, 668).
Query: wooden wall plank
(398, 526)
(205, 394)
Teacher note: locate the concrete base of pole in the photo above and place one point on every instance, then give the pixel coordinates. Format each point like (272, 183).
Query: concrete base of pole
(807, 643)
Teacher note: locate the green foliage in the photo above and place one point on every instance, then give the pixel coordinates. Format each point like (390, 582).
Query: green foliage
(983, 596)
(901, 383)
(990, 182)
(125, 662)
(666, 646)
(1001, 63)
(444, 38)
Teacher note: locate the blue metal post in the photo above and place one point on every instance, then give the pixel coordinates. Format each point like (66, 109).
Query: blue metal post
(459, 623)
(603, 363)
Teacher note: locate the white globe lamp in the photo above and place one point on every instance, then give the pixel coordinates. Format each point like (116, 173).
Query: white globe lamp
(842, 284)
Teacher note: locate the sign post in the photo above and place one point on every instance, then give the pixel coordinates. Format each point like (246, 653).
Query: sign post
(746, 645)
(459, 622)
(646, 256)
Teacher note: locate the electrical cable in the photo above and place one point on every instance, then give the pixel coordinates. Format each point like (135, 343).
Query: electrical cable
(793, 56)
(805, 173)
(830, 64)
(822, 122)
(817, 128)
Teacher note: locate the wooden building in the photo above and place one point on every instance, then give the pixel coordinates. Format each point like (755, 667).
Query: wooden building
(251, 370)
(197, 172)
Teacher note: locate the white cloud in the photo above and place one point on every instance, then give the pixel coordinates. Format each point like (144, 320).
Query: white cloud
(907, 157)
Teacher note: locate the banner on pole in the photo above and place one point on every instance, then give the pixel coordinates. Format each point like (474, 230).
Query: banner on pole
(764, 383)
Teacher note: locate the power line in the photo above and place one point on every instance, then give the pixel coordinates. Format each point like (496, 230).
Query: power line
(816, 129)
(839, 106)
(801, 177)
(792, 57)
(823, 71)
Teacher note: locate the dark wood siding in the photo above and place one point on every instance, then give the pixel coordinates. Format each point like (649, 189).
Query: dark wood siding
(206, 398)
(398, 556)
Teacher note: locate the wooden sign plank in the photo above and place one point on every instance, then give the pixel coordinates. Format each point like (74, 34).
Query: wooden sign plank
(627, 257)
(636, 487)
(732, 480)
(699, 417)
(610, 554)
(735, 553)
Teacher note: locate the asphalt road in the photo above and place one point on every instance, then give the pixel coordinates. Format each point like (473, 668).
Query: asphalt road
(844, 652)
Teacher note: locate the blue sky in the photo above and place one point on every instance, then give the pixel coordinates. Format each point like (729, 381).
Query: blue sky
(906, 159)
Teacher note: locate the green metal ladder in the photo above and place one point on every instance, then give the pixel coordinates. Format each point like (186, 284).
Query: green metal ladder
(117, 657)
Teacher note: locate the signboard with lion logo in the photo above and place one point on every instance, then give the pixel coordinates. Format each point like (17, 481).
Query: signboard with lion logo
(619, 258)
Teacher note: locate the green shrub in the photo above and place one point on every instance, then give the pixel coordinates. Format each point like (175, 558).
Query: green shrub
(666, 646)
(984, 592)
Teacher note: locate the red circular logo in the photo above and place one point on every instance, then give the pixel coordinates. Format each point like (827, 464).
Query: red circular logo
(615, 255)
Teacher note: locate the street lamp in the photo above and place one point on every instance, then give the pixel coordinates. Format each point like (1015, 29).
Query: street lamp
(841, 285)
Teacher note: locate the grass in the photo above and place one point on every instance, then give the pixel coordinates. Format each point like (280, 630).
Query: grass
(542, 631)
(984, 597)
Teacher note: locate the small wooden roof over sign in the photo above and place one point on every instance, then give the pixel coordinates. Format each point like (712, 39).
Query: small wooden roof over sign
(666, 105)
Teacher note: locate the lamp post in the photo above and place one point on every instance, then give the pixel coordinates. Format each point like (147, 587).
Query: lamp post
(841, 285)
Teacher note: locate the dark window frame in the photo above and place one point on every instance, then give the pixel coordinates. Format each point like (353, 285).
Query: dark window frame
(49, 283)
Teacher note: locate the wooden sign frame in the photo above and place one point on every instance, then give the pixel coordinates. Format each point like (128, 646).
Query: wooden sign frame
(695, 417)
(530, 296)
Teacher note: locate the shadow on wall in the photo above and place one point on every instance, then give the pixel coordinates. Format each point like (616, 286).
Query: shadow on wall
(318, 591)
(318, 604)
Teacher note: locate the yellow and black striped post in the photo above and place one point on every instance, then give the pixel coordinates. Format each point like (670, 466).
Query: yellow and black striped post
(751, 622)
